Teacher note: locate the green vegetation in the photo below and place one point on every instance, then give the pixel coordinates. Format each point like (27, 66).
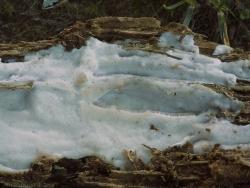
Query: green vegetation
(223, 9)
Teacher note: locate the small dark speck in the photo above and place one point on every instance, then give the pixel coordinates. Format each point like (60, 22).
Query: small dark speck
(152, 127)
(208, 130)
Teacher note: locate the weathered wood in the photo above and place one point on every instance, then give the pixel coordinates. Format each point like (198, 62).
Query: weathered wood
(108, 29)
(16, 85)
(240, 92)
(126, 23)
(166, 169)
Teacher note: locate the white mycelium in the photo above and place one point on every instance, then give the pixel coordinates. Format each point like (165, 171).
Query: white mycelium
(102, 99)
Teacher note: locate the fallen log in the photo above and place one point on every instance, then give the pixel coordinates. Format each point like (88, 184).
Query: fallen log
(218, 168)
(146, 30)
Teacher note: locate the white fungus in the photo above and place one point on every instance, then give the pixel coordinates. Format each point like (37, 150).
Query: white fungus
(49, 3)
(222, 49)
(101, 99)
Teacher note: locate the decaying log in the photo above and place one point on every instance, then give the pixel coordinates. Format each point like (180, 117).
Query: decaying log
(218, 168)
(110, 28)
(174, 167)
(22, 48)
(240, 92)
(146, 30)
